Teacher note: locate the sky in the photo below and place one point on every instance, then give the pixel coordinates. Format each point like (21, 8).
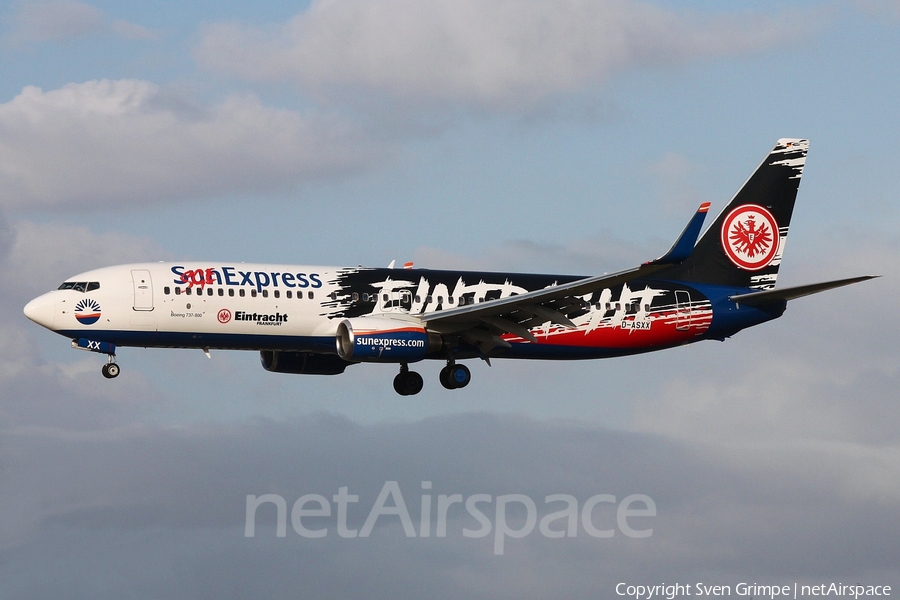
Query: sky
(560, 136)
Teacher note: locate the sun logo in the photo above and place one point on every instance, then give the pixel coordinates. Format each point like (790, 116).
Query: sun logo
(750, 237)
(87, 311)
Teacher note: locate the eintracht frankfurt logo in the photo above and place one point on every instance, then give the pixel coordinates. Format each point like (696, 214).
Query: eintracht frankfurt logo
(224, 315)
(750, 237)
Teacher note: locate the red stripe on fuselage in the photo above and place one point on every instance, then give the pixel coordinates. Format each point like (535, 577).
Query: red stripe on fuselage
(666, 328)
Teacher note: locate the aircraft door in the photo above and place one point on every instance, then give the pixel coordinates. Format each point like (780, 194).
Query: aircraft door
(405, 301)
(682, 310)
(143, 289)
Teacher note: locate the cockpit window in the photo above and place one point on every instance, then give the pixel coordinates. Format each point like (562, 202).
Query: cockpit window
(80, 286)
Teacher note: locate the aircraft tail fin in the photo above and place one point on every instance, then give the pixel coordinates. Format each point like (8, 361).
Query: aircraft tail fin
(744, 245)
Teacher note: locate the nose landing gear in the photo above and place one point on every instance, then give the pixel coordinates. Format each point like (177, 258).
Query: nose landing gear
(110, 370)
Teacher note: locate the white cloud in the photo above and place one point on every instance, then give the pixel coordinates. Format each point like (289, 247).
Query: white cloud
(494, 53)
(40, 256)
(103, 143)
(66, 20)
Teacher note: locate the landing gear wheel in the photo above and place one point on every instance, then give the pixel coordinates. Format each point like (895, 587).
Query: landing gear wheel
(400, 384)
(110, 370)
(445, 378)
(459, 376)
(414, 383)
(455, 376)
(408, 383)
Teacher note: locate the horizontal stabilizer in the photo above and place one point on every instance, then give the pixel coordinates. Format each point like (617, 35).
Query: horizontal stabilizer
(684, 245)
(790, 293)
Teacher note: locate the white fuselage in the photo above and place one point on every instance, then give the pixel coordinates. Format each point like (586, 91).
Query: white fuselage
(192, 305)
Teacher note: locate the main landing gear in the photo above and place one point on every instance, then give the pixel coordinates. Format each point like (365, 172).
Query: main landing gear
(408, 383)
(453, 376)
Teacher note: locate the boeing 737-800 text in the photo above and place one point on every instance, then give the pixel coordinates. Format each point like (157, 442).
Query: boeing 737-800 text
(320, 320)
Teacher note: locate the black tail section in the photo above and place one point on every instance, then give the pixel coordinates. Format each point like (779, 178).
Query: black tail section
(743, 246)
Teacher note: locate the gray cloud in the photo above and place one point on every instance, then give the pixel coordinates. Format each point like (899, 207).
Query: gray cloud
(123, 142)
(823, 371)
(606, 252)
(498, 54)
(65, 20)
(181, 493)
(772, 457)
(44, 395)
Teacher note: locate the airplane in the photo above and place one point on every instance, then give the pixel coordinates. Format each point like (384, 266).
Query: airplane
(321, 320)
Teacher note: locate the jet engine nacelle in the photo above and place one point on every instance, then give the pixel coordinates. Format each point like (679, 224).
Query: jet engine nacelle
(302, 363)
(378, 339)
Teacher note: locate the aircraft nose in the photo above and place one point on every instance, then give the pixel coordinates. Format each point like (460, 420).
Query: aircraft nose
(42, 310)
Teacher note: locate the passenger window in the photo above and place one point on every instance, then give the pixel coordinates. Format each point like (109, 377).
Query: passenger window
(450, 300)
(231, 292)
(187, 291)
(209, 292)
(243, 292)
(265, 293)
(221, 292)
(277, 293)
(166, 290)
(253, 293)
(289, 294)
(311, 295)
(177, 291)
(355, 297)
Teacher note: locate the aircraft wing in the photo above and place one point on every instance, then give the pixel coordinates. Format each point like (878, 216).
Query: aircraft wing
(482, 324)
(790, 293)
(557, 296)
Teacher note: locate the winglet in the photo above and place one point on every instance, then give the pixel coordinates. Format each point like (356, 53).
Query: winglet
(684, 246)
